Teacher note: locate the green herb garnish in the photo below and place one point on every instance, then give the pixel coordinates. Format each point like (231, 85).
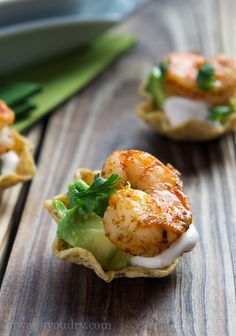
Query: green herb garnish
(206, 77)
(221, 113)
(155, 84)
(93, 198)
(87, 199)
(163, 68)
(81, 224)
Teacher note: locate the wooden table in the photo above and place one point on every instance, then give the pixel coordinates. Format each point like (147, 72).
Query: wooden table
(41, 295)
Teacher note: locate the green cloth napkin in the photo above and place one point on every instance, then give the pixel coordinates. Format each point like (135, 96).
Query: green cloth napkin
(66, 75)
(16, 96)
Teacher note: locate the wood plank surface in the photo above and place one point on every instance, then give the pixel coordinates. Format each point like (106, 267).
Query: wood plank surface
(41, 295)
(12, 202)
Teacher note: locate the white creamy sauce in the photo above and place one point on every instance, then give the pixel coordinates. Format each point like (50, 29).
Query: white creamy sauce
(179, 110)
(185, 243)
(9, 162)
(5, 136)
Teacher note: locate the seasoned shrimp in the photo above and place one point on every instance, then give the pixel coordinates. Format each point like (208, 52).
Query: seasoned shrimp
(6, 115)
(6, 119)
(149, 210)
(182, 73)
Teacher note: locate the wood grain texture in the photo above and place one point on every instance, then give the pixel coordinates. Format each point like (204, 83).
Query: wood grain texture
(44, 296)
(11, 204)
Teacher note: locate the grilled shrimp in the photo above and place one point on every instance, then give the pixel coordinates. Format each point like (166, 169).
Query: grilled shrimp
(6, 115)
(6, 119)
(182, 73)
(149, 211)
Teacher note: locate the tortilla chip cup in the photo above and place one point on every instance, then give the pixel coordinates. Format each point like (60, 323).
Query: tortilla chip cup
(80, 256)
(25, 169)
(192, 130)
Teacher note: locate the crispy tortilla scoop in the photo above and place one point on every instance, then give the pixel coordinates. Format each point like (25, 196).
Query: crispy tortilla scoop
(26, 168)
(83, 257)
(192, 130)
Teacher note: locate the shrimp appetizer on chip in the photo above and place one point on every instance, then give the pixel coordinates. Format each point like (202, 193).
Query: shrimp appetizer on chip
(132, 219)
(16, 161)
(190, 97)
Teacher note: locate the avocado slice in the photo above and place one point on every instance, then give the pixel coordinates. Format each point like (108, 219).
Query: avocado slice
(88, 233)
(155, 84)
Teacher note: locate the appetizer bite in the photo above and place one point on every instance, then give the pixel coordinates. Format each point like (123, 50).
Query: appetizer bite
(190, 97)
(16, 162)
(132, 219)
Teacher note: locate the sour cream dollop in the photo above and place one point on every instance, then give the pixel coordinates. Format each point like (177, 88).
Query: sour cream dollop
(6, 138)
(9, 162)
(185, 243)
(179, 110)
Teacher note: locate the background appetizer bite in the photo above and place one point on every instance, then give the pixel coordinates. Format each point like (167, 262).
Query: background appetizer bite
(131, 219)
(190, 97)
(16, 161)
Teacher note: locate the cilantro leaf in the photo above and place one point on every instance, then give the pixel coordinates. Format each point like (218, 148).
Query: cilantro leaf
(220, 113)
(81, 224)
(206, 77)
(94, 198)
(74, 188)
(163, 68)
